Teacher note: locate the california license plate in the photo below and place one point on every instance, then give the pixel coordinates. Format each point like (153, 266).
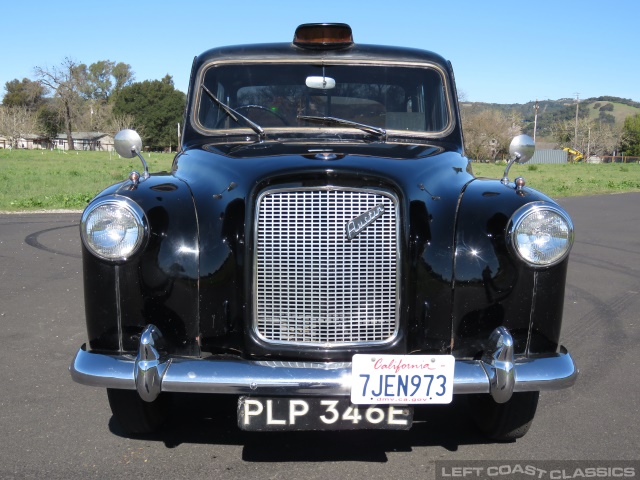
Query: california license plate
(401, 379)
(269, 414)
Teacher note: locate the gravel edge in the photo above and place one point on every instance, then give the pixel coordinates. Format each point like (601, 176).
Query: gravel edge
(30, 212)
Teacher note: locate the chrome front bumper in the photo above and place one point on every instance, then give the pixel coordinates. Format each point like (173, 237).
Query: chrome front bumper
(150, 372)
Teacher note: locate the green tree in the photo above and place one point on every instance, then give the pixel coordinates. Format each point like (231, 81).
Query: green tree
(104, 78)
(157, 108)
(631, 136)
(604, 117)
(122, 75)
(25, 93)
(49, 121)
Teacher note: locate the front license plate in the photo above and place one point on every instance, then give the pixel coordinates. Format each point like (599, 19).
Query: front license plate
(268, 414)
(401, 379)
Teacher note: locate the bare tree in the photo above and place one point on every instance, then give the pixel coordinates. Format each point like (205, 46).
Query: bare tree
(93, 115)
(562, 133)
(122, 121)
(594, 136)
(67, 81)
(475, 138)
(488, 132)
(602, 138)
(16, 123)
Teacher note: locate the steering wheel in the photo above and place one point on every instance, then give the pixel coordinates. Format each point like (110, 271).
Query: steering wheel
(257, 107)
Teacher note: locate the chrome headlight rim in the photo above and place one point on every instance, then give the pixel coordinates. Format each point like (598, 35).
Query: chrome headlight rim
(129, 206)
(525, 211)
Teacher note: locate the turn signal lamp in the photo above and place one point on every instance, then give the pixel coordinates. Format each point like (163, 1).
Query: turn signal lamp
(323, 35)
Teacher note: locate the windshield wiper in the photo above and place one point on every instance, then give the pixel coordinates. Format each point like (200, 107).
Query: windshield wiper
(379, 132)
(236, 116)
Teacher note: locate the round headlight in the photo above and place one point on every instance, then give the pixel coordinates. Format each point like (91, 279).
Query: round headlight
(541, 234)
(113, 229)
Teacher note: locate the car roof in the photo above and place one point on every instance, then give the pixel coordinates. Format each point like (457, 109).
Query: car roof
(284, 52)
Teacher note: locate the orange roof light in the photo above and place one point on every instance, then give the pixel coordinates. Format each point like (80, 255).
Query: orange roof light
(323, 35)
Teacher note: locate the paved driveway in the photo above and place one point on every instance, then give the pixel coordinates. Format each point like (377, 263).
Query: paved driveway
(53, 428)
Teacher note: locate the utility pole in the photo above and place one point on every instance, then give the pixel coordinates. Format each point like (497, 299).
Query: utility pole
(535, 120)
(575, 136)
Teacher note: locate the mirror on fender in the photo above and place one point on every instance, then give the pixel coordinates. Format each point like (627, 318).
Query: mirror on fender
(521, 150)
(522, 147)
(128, 144)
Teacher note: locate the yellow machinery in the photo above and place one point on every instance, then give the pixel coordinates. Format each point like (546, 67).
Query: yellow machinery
(575, 154)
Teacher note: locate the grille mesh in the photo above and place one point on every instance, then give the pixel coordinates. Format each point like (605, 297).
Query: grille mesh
(313, 285)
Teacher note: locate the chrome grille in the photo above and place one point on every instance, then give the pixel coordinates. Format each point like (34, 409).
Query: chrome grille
(314, 286)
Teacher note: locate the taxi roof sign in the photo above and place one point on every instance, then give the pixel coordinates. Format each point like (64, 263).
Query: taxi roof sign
(323, 35)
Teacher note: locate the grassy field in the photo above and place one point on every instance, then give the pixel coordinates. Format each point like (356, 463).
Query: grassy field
(36, 180)
(570, 180)
(42, 179)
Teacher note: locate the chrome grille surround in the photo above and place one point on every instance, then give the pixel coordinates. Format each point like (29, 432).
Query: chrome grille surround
(312, 285)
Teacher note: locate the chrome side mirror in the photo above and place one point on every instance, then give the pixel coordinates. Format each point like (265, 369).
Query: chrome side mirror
(521, 149)
(128, 145)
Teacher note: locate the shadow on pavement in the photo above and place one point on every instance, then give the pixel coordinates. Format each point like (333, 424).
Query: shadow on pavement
(211, 419)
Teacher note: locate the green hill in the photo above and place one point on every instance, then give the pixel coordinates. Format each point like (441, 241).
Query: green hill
(612, 110)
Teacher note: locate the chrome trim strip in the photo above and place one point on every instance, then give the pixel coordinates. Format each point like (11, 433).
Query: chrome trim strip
(238, 376)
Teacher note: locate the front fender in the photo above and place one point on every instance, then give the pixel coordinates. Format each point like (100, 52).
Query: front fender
(157, 285)
(492, 286)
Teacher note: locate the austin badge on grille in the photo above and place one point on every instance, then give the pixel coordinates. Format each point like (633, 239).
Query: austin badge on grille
(358, 224)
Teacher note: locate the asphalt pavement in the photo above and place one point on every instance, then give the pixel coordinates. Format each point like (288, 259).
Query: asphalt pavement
(52, 428)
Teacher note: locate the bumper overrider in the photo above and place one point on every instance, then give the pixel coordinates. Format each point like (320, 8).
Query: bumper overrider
(151, 372)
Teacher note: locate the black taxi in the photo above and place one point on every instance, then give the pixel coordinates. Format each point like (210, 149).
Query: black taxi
(322, 251)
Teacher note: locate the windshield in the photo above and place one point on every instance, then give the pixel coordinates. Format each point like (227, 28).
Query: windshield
(394, 98)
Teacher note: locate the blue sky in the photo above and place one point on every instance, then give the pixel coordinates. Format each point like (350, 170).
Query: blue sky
(502, 51)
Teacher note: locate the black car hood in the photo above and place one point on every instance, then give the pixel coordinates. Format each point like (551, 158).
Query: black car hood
(318, 149)
(427, 180)
(251, 162)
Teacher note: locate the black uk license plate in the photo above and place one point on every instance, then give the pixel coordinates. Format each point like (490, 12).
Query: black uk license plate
(273, 414)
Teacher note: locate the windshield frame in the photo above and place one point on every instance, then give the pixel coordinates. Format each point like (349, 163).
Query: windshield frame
(314, 130)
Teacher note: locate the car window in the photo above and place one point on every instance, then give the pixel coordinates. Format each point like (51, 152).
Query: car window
(391, 97)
